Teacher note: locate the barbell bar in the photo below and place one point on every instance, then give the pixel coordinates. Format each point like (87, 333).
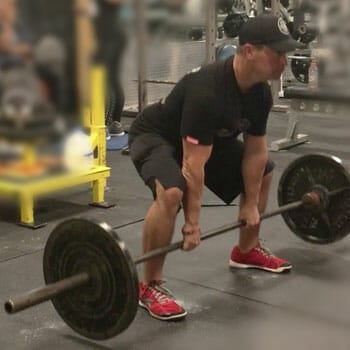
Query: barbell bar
(92, 280)
(310, 200)
(157, 81)
(40, 295)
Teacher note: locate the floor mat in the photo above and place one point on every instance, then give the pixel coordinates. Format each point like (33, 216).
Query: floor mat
(117, 143)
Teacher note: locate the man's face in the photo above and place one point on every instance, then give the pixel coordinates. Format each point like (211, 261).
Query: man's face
(269, 64)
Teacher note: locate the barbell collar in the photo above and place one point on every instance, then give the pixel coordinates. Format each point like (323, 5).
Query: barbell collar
(39, 295)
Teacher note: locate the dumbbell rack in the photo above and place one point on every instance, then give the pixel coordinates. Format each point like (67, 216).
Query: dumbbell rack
(29, 189)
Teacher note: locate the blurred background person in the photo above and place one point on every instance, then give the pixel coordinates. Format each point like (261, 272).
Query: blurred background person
(17, 49)
(111, 41)
(15, 40)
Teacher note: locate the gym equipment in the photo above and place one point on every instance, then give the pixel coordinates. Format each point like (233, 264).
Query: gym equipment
(25, 115)
(116, 143)
(329, 222)
(224, 6)
(284, 3)
(233, 23)
(300, 67)
(92, 280)
(306, 33)
(224, 51)
(51, 52)
(195, 34)
(39, 182)
(305, 21)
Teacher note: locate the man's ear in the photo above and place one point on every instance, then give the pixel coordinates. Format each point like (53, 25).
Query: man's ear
(248, 51)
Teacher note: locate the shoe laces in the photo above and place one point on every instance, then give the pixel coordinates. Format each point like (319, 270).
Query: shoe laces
(160, 293)
(263, 250)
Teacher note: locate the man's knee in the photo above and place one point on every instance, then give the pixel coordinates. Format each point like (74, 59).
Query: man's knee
(171, 198)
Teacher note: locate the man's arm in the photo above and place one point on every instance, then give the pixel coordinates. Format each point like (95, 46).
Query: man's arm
(7, 45)
(21, 49)
(194, 159)
(254, 161)
(6, 34)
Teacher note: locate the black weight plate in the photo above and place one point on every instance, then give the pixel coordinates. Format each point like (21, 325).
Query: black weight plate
(300, 69)
(195, 34)
(300, 177)
(106, 305)
(233, 24)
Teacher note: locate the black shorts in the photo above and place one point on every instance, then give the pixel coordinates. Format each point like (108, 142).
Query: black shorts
(155, 158)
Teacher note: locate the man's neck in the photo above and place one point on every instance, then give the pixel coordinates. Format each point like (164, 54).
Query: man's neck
(245, 76)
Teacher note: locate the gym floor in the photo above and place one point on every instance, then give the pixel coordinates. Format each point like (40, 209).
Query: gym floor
(227, 309)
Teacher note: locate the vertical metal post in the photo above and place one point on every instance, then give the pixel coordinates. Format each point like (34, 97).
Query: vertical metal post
(275, 7)
(259, 7)
(247, 6)
(97, 92)
(295, 3)
(85, 46)
(211, 31)
(97, 124)
(277, 85)
(141, 34)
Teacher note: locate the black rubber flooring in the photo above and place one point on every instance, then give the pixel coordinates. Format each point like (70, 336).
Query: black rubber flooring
(246, 310)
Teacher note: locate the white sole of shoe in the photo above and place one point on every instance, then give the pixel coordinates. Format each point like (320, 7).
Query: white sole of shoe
(167, 318)
(245, 266)
(117, 134)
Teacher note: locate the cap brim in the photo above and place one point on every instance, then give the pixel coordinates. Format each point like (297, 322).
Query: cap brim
(286, 45)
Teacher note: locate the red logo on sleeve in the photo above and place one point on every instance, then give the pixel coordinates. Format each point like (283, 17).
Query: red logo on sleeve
(192, 140)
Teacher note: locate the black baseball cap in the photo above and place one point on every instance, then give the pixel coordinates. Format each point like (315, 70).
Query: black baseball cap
(270, 31)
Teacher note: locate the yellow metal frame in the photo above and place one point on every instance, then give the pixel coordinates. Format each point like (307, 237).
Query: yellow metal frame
(30, 189)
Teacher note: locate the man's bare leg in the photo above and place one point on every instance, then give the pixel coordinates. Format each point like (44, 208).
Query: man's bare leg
(249, 238)
(159, 228)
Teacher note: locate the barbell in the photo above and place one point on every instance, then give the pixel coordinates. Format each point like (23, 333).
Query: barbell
(92, 280)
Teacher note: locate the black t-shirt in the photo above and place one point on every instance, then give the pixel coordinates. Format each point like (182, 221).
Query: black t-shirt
(207, 103)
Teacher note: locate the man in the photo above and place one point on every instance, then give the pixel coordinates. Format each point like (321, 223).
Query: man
(17, 52)
(111, 44)
(190, 140)
(15, 46)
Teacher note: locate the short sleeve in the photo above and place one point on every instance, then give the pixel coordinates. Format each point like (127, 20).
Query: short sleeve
(198, 114)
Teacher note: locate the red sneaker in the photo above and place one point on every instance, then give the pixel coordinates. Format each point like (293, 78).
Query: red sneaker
(258, 258)
(159, 302)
